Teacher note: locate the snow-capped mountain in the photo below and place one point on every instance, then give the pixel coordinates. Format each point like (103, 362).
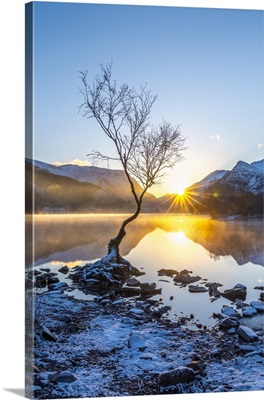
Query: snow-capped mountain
(209, 179)
(243, 177)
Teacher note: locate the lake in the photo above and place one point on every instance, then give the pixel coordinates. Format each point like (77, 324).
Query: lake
(228, 252)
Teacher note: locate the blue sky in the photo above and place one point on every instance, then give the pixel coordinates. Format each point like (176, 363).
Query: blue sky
(205, 65)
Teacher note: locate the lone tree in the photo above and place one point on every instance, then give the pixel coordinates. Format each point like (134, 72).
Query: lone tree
(144, 151)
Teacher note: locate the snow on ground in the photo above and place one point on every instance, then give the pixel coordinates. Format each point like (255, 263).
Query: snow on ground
(119, 348)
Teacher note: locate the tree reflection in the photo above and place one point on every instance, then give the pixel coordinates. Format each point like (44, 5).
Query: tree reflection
(68, 238)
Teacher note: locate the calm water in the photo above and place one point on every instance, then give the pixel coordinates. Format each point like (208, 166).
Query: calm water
(228, 252)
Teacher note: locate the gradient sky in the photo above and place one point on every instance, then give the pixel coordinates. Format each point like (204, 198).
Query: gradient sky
(205, 65)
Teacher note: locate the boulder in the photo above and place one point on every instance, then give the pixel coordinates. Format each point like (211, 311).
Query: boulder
(258, 305)
(64, 376)
(176, 376)
(247, 334)
(261, 296)
(237, 292)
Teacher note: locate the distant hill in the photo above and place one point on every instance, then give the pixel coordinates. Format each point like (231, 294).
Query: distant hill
(76, 189)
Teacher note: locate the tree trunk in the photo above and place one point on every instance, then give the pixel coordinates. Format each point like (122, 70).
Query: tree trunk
(113, 245)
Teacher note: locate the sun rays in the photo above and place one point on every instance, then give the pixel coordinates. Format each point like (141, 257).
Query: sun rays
(187, 200)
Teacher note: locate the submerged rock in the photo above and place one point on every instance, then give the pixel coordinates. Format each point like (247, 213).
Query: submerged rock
(186, 278)
(167, 272)
(197, 289)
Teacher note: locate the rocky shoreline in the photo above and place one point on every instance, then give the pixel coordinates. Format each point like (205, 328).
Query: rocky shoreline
(120, 341)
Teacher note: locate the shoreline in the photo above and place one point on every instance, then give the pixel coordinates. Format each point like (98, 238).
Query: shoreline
(113, 345)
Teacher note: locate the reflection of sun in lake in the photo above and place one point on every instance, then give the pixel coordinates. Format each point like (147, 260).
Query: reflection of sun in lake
(178, 238)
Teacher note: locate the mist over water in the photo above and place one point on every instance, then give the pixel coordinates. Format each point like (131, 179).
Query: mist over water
(228, 252)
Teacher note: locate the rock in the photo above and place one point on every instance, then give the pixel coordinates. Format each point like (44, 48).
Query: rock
(45, 269)
(149, 289)
(261, 296)
(247, 347)
(213, 289)
(241, 304)
(215, 352)
(259, 287)
(64, 318)
(47, 335)
(197, 366)
(229, 322)
(136, 311)
(237, 292)
(185, 271)
(133, 282)
(136, 342)
(197, 289)
(176, 376)
(64, 376)
(230, 312)
(129, 291)
(186, 278)
(46, 279)
(258, 305)
(249, 311)
(167, 272)
(64, 269)
(246, 333)
(58, 286)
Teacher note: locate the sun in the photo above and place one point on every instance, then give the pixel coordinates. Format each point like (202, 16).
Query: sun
(180, 190)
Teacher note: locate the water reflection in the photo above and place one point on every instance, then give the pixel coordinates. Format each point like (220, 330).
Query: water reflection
(68, 238)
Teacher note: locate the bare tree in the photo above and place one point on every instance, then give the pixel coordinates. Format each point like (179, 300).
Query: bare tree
(144, 151)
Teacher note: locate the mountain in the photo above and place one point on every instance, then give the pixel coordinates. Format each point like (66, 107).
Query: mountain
(113, 181)
(222, 193)
(245, 177)
(208, 180)
(76, 189)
